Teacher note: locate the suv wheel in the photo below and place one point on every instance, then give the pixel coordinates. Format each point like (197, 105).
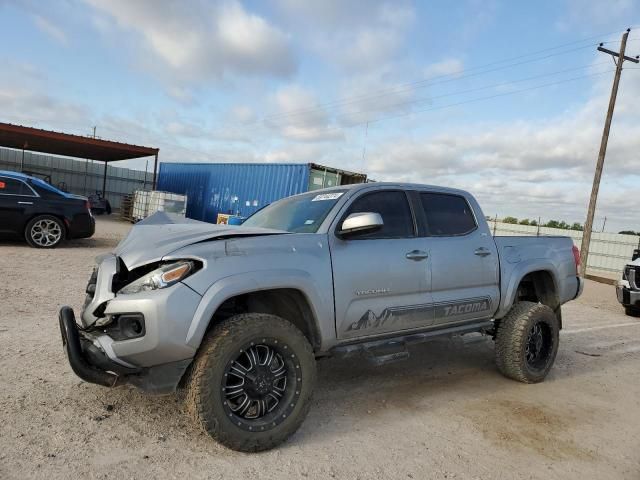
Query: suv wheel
(250, 385)
(527, 342)
(44, 231)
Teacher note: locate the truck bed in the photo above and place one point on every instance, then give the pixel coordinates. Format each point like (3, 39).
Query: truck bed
(520, 255)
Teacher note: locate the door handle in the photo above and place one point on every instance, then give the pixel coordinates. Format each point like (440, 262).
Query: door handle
(482, 252)
(416, 255)
(25, 203)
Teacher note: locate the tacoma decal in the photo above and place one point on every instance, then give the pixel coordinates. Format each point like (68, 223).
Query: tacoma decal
(410, 313)
(463, 308)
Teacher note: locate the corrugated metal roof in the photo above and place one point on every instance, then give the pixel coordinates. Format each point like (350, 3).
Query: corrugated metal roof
(58, 143)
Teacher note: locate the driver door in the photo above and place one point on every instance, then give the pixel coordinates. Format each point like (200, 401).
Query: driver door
(382, 281)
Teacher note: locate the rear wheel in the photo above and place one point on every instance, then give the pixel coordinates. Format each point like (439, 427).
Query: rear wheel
(44, 231)
(251, 383)
(527, 342)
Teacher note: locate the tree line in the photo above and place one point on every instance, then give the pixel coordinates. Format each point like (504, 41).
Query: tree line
(551, 223)
(556, 224)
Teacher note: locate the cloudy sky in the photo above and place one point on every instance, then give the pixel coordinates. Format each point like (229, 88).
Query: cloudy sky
(505, 99)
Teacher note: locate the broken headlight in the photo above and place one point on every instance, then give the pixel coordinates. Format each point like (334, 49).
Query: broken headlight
(162, 277)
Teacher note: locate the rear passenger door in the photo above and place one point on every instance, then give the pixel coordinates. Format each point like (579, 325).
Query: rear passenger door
(381, 278)
(463, 256)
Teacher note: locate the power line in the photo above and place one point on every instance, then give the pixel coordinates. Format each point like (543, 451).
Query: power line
(430, 81)
(410, 86)
(486, 87)
(474, 100)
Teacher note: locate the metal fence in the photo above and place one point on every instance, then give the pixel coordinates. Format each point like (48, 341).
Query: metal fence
(608, 252)
(82, 177)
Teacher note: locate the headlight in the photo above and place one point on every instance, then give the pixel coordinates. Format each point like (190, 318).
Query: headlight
(162, 277)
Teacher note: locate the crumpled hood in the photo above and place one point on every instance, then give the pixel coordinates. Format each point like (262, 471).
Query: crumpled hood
(150, 241)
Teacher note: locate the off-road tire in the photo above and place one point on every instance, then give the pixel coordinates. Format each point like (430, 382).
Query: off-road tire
(204, 396)
(511, 341)
(47, 218)
(632, 311)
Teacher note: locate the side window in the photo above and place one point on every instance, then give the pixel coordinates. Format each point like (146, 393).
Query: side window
(447, 215)
(10, 186)
(394, 209)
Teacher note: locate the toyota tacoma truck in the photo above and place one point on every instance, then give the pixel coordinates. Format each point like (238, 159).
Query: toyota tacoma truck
(237, 316)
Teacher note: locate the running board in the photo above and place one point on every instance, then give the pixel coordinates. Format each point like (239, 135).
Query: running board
(374, 349)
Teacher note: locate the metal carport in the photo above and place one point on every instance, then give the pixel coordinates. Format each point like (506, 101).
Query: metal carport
(68, 145)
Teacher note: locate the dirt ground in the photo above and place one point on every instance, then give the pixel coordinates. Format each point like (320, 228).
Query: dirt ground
(444, 413)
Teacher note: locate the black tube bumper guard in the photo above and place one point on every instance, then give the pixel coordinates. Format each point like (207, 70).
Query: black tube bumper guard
(86, 360)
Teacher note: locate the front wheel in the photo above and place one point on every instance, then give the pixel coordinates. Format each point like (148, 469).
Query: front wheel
(527, 342)
(251, 383)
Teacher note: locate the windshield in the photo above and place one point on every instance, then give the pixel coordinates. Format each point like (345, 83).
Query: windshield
(299, 214)
(46, 186)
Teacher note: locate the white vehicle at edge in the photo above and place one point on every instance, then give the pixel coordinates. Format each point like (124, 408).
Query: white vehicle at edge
(628, 289)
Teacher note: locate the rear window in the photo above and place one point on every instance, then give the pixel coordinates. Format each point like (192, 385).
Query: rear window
(447, 215)
(45, 186)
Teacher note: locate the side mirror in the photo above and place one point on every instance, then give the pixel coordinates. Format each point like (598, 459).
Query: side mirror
(360, 223)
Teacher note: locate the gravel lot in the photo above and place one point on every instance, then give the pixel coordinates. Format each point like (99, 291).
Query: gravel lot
(445, 413)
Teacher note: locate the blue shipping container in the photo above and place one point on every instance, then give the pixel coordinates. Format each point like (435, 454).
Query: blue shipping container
(234, 188)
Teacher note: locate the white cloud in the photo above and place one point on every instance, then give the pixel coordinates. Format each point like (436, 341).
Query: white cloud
(450, 66)
(367, 98)
(242, 114)
(51, 29)
(582, 14)
(300, 117)
(24, 106)
(206, 40)
(359, 35)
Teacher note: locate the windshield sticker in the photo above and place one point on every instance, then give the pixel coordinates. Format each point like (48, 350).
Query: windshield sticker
(309, 222)
(327, 196)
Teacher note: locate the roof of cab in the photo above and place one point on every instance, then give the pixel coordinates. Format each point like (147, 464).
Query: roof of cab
(400, 185)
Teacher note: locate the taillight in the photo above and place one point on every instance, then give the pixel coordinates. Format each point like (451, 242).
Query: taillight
(576, 255)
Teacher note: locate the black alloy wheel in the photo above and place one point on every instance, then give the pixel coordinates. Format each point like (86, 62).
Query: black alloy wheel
(261, 385)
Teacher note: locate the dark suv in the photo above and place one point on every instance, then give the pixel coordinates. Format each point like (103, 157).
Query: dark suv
(42, 214)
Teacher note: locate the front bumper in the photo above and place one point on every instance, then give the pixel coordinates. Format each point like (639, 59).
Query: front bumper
(627, 296)
(86, 362)
(89, 362)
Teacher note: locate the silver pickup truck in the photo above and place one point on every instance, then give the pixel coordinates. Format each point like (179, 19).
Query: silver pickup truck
(237, 316)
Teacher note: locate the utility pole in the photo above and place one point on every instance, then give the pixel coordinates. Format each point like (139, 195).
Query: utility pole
(588, 226)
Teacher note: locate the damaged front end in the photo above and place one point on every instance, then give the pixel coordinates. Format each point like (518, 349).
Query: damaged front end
(138, 311)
